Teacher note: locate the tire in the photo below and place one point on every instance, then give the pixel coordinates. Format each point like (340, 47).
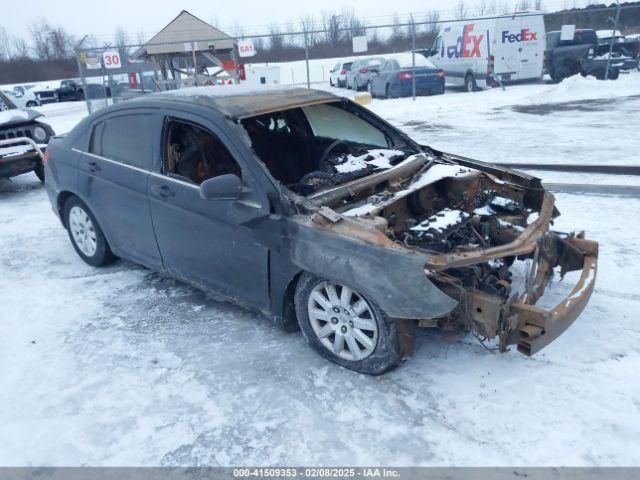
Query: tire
(81, 223)
(31, 104)
(370, 88)
(39, 171)
(80, 95)
(387, 92)
(330, 82)
(470, 84)
(372, 349)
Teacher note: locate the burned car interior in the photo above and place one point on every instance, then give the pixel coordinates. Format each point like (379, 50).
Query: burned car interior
(313, 147)
(193, 154)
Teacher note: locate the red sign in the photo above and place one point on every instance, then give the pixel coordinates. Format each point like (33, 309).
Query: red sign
(229, 65)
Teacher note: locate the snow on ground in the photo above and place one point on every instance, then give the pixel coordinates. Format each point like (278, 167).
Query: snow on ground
(122, 366)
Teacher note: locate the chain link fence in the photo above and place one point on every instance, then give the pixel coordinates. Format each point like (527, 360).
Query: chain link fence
(302, 57)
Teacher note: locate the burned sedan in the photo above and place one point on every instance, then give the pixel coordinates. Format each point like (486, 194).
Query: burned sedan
(311, 209)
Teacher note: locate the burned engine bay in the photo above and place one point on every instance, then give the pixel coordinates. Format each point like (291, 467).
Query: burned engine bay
(468, 220)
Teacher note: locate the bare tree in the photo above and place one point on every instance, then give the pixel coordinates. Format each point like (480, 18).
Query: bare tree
(432, 18)
(141, 38)
(481, 8)
(120, 38)
(538, 5)
(5, 45)
(276, 41)
(61, 44)
(492, 8)
(39, 30)
(331, 24)
(524, 5)
(20, 48)
(460, 10)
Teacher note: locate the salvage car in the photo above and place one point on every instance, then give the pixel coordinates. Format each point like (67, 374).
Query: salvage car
(314, 211)
(23, 140)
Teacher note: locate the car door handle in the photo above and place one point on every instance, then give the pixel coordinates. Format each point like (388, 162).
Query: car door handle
(94, 167)
(162, 191)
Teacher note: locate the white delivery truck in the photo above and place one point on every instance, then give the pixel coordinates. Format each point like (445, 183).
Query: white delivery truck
(490, 51)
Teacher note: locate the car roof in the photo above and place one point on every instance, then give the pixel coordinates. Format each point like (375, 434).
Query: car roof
(243, 101)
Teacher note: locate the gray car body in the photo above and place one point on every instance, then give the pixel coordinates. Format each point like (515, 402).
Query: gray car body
(358, 80)
(250, 250)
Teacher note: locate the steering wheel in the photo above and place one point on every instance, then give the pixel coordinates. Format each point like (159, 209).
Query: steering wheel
(331, 148)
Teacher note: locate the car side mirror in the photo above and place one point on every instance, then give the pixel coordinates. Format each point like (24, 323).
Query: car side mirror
(224, 187)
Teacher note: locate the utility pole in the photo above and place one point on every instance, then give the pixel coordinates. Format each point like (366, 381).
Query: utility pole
(413, 59)
(306, 55)
(82, 79)
(613, 34)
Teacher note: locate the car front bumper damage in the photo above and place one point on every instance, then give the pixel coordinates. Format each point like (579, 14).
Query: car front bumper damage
(519, 321)
(19, 155)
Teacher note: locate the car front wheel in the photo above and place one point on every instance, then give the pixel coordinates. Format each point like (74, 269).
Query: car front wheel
(345, 327)
(85, 234)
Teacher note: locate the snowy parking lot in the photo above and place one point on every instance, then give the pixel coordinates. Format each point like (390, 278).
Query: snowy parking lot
(123, 366)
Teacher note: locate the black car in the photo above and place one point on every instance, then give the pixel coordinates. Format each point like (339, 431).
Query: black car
(565, 58)
(23, 140)
(311, 209)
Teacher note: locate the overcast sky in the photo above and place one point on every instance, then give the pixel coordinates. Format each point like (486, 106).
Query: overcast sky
(102, 17)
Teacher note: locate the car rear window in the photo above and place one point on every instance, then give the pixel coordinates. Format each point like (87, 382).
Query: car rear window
(127, 139)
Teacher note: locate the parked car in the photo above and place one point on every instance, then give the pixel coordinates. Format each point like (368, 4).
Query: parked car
(23, 140)
(26, 100)
(621, 50)
(68, 90)
(565, 58)
(360, 72)
(395, 78)
(488, 51)
(313, 210)
(338, 75)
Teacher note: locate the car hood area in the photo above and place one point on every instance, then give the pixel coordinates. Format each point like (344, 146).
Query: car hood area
(18, 116)
(482, 235)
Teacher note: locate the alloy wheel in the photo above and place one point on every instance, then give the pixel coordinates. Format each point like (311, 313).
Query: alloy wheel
(343, 321)
(83, 231)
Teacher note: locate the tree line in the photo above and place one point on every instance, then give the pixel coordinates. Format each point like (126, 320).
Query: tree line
(49, 51)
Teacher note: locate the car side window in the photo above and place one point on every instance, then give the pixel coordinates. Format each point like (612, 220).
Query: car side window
(195, 154)
(127, 139)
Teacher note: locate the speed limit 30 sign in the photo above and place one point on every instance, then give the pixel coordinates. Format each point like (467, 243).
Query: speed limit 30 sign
(111, 59)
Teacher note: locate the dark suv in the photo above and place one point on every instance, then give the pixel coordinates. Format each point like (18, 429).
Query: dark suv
(565, 58)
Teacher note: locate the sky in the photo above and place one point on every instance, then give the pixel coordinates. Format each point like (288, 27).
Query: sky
(103, 17)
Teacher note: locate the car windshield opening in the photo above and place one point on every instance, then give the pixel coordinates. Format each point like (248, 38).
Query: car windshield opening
(318, 146)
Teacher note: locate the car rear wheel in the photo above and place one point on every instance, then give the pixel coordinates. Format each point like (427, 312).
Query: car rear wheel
(470, 83)
(85, 234)
(345, 327)
(31, 104)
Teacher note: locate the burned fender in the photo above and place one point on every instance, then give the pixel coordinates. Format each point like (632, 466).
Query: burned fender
(393, 278)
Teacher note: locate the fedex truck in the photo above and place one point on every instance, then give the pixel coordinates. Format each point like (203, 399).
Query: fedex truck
(491, 51)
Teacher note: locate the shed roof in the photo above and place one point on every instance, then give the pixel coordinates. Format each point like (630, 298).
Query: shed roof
(181, 32)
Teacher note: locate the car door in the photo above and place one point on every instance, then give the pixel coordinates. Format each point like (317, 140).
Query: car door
(208, 242)
(112, 180)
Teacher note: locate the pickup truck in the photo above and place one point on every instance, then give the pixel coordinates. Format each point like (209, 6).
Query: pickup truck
(23, 140)
(565, 58)
(68, 90)
(627, 52)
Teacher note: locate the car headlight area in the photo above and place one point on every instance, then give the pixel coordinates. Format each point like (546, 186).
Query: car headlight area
(40, 134)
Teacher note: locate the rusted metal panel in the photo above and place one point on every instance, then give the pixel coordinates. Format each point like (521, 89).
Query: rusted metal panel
(238, 106)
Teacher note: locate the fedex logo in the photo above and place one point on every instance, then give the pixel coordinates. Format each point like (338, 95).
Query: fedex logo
(467, 45)
(525, 35)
